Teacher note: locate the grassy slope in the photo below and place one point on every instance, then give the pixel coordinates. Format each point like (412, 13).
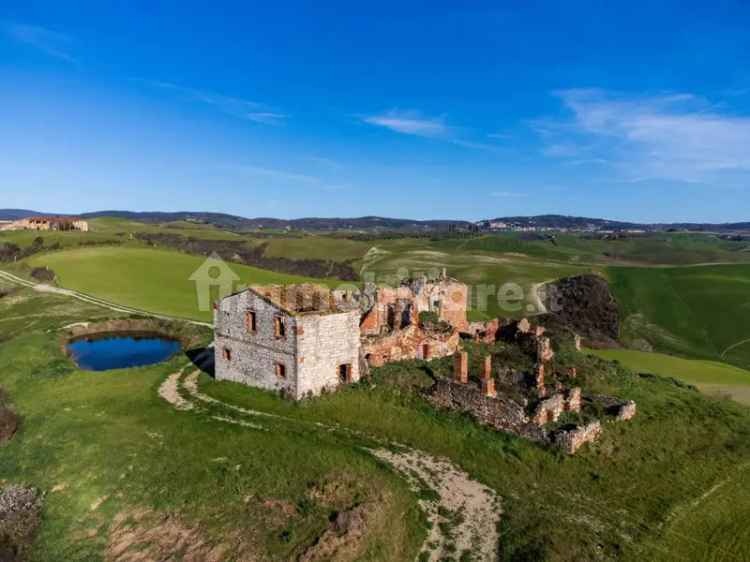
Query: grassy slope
(87, 431)
(711, 528)
(694, 311)
(610, 499)
(709, 376)
(316, 247)
(109, 436)
(153, 280)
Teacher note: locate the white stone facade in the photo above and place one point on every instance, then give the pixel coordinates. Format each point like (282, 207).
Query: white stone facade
(261, 344)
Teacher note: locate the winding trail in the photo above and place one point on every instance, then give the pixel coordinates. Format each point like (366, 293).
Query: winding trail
(463, 514)
(734, 345)
(44, 288)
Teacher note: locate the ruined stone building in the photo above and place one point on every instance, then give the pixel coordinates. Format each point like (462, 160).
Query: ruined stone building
(302, 340)
(394, 328)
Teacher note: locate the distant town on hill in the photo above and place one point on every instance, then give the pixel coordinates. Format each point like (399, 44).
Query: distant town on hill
(373, 223)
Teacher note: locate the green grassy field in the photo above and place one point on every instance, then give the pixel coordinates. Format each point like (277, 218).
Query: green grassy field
(652, 249)
(108, 445)
(710, 528)
(152, 280)
(105, 444)
(712, 377)
(701, 311)
(115, 231)
(316, 247)
(608, 501)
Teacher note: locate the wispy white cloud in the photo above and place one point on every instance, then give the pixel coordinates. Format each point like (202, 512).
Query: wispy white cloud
(416, 124)
(410, 123)
(236, 107)
(671, 136)
(52, 43)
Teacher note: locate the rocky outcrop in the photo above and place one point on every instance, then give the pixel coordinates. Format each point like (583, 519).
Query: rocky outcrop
(582, 305)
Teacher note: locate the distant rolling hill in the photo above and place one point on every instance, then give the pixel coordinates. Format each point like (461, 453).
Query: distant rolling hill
(370, 223)
(15, 214)
(234, 222)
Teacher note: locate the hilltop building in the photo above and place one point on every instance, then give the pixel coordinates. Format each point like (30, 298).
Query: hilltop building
(49, 223)
(302, 340)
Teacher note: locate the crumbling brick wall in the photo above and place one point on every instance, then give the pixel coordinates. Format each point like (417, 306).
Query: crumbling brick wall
(411, 343)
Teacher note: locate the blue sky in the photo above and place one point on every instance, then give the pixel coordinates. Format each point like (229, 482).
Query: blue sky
(639, 111)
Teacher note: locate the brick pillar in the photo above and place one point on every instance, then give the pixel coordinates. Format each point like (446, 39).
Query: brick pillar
(539, 379)
(573, 400)
(461, 367)
(488, 387)
(487, 368)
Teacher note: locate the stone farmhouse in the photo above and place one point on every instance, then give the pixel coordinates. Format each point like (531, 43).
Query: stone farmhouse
(302, 340)
(49, 223)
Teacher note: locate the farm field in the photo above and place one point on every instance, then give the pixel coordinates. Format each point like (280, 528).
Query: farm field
(148, 279)
(113, 231)
(113, 450)
(701, 312)
(478, 269)
(712, 377)
(647, 250)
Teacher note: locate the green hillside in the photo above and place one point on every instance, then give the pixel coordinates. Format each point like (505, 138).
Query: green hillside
(152, 280)
(712, 377)
(701, 311)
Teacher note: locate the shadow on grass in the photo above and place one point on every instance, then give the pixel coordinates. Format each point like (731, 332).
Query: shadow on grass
(203, 359)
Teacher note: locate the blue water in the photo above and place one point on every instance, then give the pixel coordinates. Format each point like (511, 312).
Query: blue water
(121, 351)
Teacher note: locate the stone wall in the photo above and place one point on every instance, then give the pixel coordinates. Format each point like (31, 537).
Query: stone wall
(626, 411)
(325, 343)
(550, 410)
(570, 440)
(253, 357)
(500, 413)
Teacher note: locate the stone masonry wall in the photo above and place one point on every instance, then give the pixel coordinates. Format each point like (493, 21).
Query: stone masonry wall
(570, 440)
(325, 342)
(254, 355)
(500, 413)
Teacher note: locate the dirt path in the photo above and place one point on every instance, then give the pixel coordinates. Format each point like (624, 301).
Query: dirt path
(44, 288)
(463, 517)
(536, 297)
(463, 513)
(734, 345)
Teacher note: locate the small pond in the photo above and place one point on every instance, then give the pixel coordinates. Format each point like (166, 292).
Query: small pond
(121, 351)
